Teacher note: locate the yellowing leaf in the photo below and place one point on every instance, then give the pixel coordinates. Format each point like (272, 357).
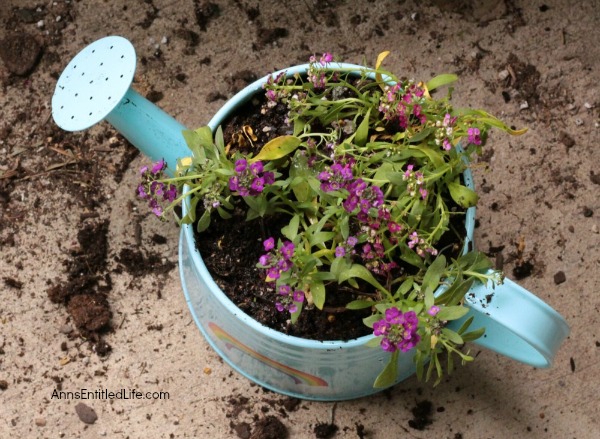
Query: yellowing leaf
(277, 148)
(380, 59)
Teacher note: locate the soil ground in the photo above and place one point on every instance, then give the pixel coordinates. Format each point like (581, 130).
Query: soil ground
(74, 237)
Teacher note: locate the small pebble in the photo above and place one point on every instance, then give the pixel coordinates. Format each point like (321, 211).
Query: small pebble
(524, 105)
(66, 329)
(578, 122)
(588, 105)
(595, 228)
(164, 40)
(559, 277)
(86, 414)
(503, 74)
(40, 422)
(40, 23)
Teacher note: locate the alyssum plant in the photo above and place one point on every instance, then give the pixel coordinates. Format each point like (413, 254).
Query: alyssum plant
(369, 182)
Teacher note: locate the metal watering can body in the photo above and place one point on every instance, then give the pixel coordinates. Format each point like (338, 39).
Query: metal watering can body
(95, 86)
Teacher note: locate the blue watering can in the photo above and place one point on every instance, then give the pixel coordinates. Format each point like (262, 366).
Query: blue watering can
(96, 86)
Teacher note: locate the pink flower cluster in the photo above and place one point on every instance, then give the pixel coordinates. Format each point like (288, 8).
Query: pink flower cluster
(277, 261)
(288, 300)
(316, 77)
(250, 179)
(415, 181)
(398, 330)
(420, 246)
(402, 104)
(156, 192)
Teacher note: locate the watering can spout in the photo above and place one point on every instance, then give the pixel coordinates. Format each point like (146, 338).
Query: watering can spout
(96, 86)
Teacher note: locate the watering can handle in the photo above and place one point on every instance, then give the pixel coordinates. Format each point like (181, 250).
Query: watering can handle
(517, 324)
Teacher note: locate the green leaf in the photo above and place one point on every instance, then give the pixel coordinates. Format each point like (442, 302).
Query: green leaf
(361, 272)
(389, 374)
(339, 266)
(452, 312)
(277, 148)
(473, 335)
(434, 273)
(420, 135)
(360, 304)
(440, 81)
(362, 132)
(452, 336)
(456, 292)
(465, 325)
(317, 290)
(463, 196)
(203, 222)
(404, 288)
(291, 230)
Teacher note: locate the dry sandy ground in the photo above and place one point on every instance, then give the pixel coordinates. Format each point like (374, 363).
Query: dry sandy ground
(535, 64)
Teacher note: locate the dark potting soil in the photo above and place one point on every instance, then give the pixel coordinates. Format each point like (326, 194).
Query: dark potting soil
(231, 248)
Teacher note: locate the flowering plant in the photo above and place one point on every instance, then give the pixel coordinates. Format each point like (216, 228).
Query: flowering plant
(369, 182)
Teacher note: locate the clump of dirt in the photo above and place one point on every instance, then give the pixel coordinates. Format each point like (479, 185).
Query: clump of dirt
(325, 430)
(85, 291)
(20, 53)
(138, 263)
(269, 427)
(524, 78)
(261, 425)
(422, 412)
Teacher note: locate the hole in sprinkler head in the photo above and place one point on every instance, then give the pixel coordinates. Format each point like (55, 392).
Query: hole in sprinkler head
(76, 94)
(72, 117)
(75, 66)
(106, 79)
(93, 50)
(101, 63)
(62, 106)
(122, 56)
(121, 76)
(109, 98)
(82, 73)
(91, 81)
(90, 113)
(111, 47)
(91, 97)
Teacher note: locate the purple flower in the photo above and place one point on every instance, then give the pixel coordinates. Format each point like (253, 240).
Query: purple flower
(298, 296)
(398, 330)
(287, 250)
(170, 194)
(447, 145)
(268, 177)
(240, 165)
(256, 168)
(273, 273)
(143, 169)
(326, 58)
(340, 251)
(269, 244)
(474, 136)
(351, 241)
(159, 166)
(257, 186)
(264, 259)
(394, 227)
(433, 310)
(156, 208)
(234, 184)
(285, 290)
(142, 192)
